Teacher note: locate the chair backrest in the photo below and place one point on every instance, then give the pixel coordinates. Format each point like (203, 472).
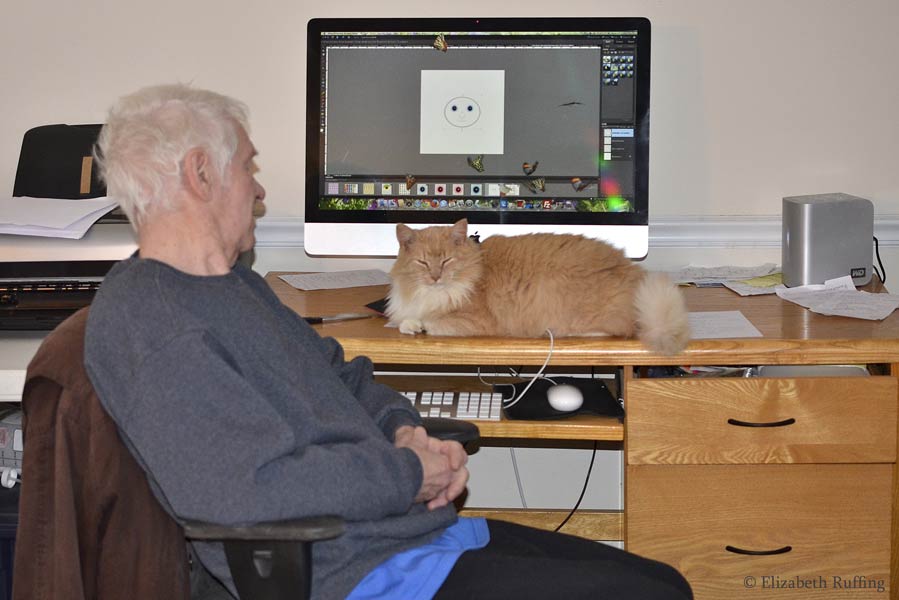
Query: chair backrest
(56, 161)
(89, 525)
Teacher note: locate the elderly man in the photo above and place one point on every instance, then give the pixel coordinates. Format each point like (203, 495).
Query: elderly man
(239, 412)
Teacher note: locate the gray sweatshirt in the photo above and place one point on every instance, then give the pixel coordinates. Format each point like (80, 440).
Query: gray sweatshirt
(240, 412)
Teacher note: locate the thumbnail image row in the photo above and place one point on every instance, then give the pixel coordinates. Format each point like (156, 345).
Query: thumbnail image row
(427, 189)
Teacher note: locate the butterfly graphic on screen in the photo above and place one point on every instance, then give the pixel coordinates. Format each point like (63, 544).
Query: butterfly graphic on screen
(410, 181)
(440, 43)
(477, 163)
(578, 184)
(537, 184)
(529, 168)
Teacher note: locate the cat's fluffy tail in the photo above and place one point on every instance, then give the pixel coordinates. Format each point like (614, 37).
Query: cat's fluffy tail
(662, 323)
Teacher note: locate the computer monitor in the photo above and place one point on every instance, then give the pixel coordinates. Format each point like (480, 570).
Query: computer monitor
(520, 125)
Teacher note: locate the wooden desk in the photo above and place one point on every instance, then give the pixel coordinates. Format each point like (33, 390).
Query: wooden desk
(818, 495)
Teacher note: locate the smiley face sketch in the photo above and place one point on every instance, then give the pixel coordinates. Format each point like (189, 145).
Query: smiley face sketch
(462, 111)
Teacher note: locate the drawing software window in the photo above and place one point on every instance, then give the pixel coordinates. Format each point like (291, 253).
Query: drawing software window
(506, 117)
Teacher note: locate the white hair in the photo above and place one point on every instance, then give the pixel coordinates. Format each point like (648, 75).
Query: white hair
(147, 134)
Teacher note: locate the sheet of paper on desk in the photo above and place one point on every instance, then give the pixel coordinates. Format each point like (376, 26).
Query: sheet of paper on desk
(336, 279)
(756, 286)
(718, 275)
(838, 297)
(51, 217)
(721, 324)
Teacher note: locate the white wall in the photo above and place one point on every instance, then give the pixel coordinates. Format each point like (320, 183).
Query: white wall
(751, 100)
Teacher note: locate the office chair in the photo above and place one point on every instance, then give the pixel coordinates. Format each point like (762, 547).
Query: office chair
(89, 524)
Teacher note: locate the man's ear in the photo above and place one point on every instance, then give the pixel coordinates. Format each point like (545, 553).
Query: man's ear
(198, 173)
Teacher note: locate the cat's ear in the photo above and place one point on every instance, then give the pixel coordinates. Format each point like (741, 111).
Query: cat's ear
(404, 235)
(460, 232)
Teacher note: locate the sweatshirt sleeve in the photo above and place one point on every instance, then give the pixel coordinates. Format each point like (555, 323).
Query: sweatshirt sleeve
(220, 451)
(384, 405)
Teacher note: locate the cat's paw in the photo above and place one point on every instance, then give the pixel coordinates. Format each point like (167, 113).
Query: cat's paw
(411, 326)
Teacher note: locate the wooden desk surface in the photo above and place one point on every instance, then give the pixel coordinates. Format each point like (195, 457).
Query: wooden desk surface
(792, 334)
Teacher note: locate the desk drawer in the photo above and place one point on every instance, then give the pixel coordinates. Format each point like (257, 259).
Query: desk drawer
(835, 519)
(708, 421)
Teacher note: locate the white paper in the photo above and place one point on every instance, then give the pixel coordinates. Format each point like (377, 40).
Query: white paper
(462, 112)
(715, 324)
(694, 274)
(336, 279)
(839, 297)
(51, 217)
(744, 289)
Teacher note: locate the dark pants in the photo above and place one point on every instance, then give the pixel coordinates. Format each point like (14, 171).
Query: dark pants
(522, 563)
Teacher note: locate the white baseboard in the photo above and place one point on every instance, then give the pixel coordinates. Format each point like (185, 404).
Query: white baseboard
(694, 231)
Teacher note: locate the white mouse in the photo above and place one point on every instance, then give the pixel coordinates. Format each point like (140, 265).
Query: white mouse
(565, 397)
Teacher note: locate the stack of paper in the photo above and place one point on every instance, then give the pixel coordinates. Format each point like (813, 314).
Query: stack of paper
(839, 297)
(51, 217)
(716, 276)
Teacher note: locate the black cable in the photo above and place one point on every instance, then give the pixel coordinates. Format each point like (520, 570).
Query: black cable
(583, 491)
(883, 276)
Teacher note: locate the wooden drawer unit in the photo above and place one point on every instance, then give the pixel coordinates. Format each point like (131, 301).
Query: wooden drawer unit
(764, 487)
(823, 527)
(761, 420)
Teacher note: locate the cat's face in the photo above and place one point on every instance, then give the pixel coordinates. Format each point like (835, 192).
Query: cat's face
(437, 256)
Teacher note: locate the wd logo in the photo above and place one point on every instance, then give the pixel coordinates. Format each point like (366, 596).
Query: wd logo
(859, 272)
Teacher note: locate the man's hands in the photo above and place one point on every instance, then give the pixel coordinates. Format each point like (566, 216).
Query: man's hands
(442, 462)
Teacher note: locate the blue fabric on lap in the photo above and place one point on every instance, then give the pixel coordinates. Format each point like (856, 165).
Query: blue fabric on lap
(419, 572)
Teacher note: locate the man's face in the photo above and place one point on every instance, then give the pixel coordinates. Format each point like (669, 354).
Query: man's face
(240, 193)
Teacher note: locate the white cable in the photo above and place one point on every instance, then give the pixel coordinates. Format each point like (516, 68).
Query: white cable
(511, 385)
(482, 380)
(538, 375)
(524, 503)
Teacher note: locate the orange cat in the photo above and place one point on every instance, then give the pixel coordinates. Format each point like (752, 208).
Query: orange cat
(447, 284)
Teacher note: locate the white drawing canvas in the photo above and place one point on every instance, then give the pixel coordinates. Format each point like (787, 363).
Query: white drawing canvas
(462, 112)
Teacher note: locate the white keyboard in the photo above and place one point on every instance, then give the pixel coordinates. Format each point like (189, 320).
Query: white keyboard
(485, 406)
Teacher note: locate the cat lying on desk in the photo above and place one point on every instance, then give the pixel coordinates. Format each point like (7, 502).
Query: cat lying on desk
(445, 283)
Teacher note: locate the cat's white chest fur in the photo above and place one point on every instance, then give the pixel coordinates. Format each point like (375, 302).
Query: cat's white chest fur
(410, 309)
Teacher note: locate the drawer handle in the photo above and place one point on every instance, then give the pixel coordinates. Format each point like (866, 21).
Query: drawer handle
(783, 423)
(736, 550)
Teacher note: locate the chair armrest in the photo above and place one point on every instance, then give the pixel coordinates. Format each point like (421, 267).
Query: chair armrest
(311, 529)
(271, 560)
(451, 429)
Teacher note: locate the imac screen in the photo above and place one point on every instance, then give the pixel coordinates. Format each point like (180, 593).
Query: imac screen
(518, 125)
